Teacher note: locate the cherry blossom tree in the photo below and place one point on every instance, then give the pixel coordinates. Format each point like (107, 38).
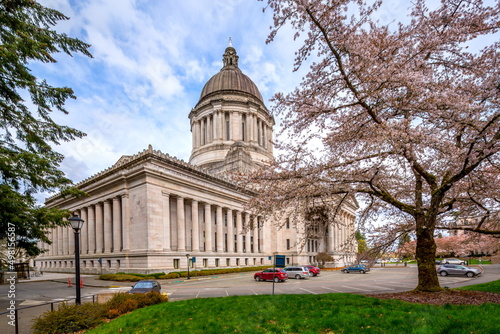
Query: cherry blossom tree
(404, 116)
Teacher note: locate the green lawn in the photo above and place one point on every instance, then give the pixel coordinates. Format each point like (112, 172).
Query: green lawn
(326, 314)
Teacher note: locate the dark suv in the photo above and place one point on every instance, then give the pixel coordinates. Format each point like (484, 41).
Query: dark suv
(276, 274)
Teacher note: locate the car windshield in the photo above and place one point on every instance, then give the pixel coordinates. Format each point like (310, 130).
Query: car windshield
(143, 285)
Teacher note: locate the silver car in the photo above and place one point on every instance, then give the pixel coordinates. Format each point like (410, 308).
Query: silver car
(297, 272)
(455, 269)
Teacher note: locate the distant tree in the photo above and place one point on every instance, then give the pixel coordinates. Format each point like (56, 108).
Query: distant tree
(323, 257)
(459, 245)
(408, 117)
(28, 163)
(362, 246)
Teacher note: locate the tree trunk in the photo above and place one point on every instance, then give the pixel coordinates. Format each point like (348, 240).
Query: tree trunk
(426, 255)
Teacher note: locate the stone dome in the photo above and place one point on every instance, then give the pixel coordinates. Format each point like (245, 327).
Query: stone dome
(230, 79)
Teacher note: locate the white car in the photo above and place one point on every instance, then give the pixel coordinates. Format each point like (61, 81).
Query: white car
(453, 261)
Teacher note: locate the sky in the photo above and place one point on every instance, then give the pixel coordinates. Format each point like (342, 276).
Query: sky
(151, 59)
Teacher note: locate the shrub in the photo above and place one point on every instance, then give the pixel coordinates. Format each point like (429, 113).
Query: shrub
(122, 303)
(70, 318)
(75, 318)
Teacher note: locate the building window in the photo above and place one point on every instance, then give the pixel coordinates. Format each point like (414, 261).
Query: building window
(205, 263)
(225, 219)
(228, 129)
(228, 262)
(235, 242)
(237, 262)
(246, 262)
(287, 222)
(244, 244)
(176, 263)
(287, 244)
(217, 262)
(225, 242)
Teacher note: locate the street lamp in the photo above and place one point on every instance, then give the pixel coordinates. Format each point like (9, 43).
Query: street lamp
(76, 224)
(187, 257)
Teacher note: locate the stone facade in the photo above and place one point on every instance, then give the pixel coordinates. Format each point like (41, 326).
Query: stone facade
(149, 210)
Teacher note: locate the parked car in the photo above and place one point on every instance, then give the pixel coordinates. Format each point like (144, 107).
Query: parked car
(312, 269)
(297, 272)
(145, 286)
(455, 269)
(453, 261)
(276, 274)
(360, 268)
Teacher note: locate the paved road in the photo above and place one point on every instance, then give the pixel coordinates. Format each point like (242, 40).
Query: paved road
(378, 280)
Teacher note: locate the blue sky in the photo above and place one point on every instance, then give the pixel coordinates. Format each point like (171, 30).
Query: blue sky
(151, 60)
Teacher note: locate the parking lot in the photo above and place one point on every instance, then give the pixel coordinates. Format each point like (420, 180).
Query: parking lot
(378, 280)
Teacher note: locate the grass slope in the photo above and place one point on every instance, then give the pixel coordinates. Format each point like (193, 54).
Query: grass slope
(328, 313)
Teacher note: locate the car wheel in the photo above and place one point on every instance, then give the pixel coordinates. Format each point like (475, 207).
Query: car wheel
(276, 280)
(469, 274)
(443, 273)
(346, 271)
(258, 279)
(361, 271)
(297, 276)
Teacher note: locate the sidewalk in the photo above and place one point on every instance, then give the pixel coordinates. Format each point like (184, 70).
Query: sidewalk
(88, 280)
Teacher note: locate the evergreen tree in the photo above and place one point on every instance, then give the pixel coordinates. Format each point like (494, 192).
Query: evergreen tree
(28, 163)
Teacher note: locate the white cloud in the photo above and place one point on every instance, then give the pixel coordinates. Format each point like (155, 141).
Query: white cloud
(151, 60)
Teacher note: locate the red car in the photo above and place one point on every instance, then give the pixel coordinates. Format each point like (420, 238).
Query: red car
(276, 274)
(312, 269)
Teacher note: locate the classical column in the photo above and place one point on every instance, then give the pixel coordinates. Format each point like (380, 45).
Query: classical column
(218, 125)
(256, 238)
(181, 225)
(193, 136)
(91, 224)
(330, 245)
(208, 228)
(99, 228)
(117, 225)
(85, 232)
(125, 222)
(239, 233)
(230, 232)
(220, 230)
(108, 230)
(59, 240)
(65, 239)
(166, 221)
(248, 234)
(195, 224)
(70, 236)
